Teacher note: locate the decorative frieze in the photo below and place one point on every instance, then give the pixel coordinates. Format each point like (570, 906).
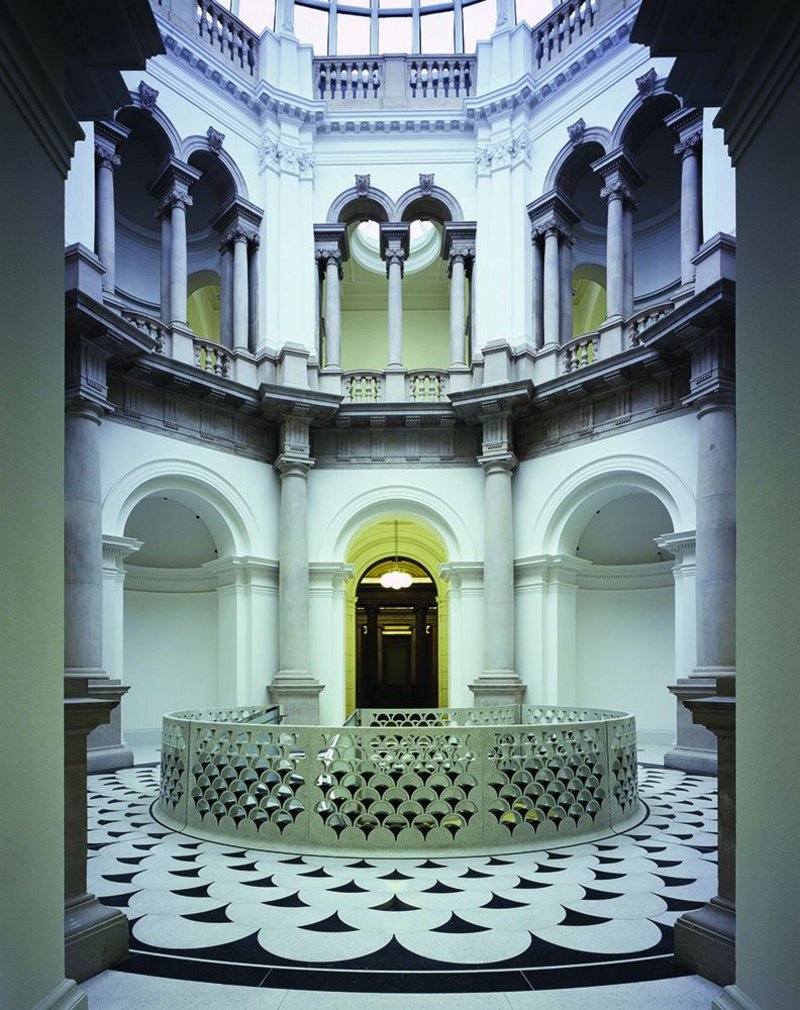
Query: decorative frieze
(283, 158)
(505, 154)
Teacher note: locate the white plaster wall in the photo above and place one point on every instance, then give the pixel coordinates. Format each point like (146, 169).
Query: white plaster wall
(170, 642)
(666, 450)
(126, 452)
(625, 655)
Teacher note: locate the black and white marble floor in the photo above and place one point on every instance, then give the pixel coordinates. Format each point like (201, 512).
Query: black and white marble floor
(592, 914)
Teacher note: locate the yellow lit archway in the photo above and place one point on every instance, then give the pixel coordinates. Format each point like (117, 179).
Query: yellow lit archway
(376, 541)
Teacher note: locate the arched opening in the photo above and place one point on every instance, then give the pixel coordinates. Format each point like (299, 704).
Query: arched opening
(589, 307)
(396, 635)
(397, 640)
(625, 608)
(656, 232)
(364, 300)
(170, 608)
(203, 306)
(137, 231)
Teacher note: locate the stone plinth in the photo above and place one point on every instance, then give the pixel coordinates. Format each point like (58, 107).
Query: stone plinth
(502, 687)
(106, 750)
(297, 693)
(695, 749)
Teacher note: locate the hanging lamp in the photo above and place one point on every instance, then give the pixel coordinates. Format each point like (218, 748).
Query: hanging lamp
(396, 578)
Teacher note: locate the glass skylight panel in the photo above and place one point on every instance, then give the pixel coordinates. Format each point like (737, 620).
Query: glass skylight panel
(352, 35)
(394, 35)
(258, 14)
(311, 26)
(438, 32)
(479, 21)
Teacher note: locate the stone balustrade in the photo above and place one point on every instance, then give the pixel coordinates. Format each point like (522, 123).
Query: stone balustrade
(363, 387)
(580, 352)
(212, 358)
(639, 323)
(564, 26)
(153, 327)
(426, 387)
(400, 81)
(222, 31)
(420, 781)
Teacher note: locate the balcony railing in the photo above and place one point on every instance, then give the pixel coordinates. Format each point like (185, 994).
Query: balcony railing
(563, 27)
(211, 358)
(426, 387)
(222, 31)
(399, 81)
(580, 352)
(639, 323)
(363, 387)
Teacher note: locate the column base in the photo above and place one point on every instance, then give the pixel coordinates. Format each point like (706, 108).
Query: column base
(66, 997)
(108, 759)
(498, 687)
(105, 749)
(705, 941)
(732, 998)
(95, 937)
(691, 759)
(695, 746)
(297, 693)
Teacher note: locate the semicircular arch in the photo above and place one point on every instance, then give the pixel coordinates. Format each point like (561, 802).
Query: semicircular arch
(435, 203)
(570, 506)
(195, 145)
(228, 516)
(593, 137)
(661, 101)
(351, 205)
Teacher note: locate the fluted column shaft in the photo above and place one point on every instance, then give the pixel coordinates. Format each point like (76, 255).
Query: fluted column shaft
(552, 288)
(333, 312)
(498, 567)
(458, 276)
(241, 295)
(394, 270)
(293, 571)
(105, 224)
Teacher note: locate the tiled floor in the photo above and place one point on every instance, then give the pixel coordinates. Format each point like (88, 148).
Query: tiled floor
(218, 926)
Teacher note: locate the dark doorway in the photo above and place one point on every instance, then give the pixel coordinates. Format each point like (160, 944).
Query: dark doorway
(396, 639)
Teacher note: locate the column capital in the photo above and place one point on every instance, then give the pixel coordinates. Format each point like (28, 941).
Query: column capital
(327, 257)
(395, 243)
(238, 219)
(459, 240)
(621, 175)
(498, 462)
(108, 136)
(553, 213)
(687, 124)
(238, 233)
(293, 466)
(171, 184)
(331, 238)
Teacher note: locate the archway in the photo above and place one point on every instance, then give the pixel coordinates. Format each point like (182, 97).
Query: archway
(396, 636)
(396, 650)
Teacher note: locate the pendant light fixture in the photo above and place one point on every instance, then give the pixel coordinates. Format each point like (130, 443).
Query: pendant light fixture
(396, 578)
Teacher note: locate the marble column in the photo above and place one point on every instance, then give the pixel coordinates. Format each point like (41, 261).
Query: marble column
(164, 215)
(552, 217)
(394, 246)
(107, 138)
(241, 296)
(394, 271)
(96, 937)
(253, 292)
(498, 683)
(565, 286)
(621, 175)
(178, 280)
(171, 188)
(293, 687)
(333, 310)
(331, 250)
(458, 279)
(705, 939)
(688, 124)
(225, 293)
(538, 288)
(458, 250)
(552, 287)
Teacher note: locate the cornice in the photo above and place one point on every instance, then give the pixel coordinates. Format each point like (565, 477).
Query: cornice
(31, 87)
(143, 579)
